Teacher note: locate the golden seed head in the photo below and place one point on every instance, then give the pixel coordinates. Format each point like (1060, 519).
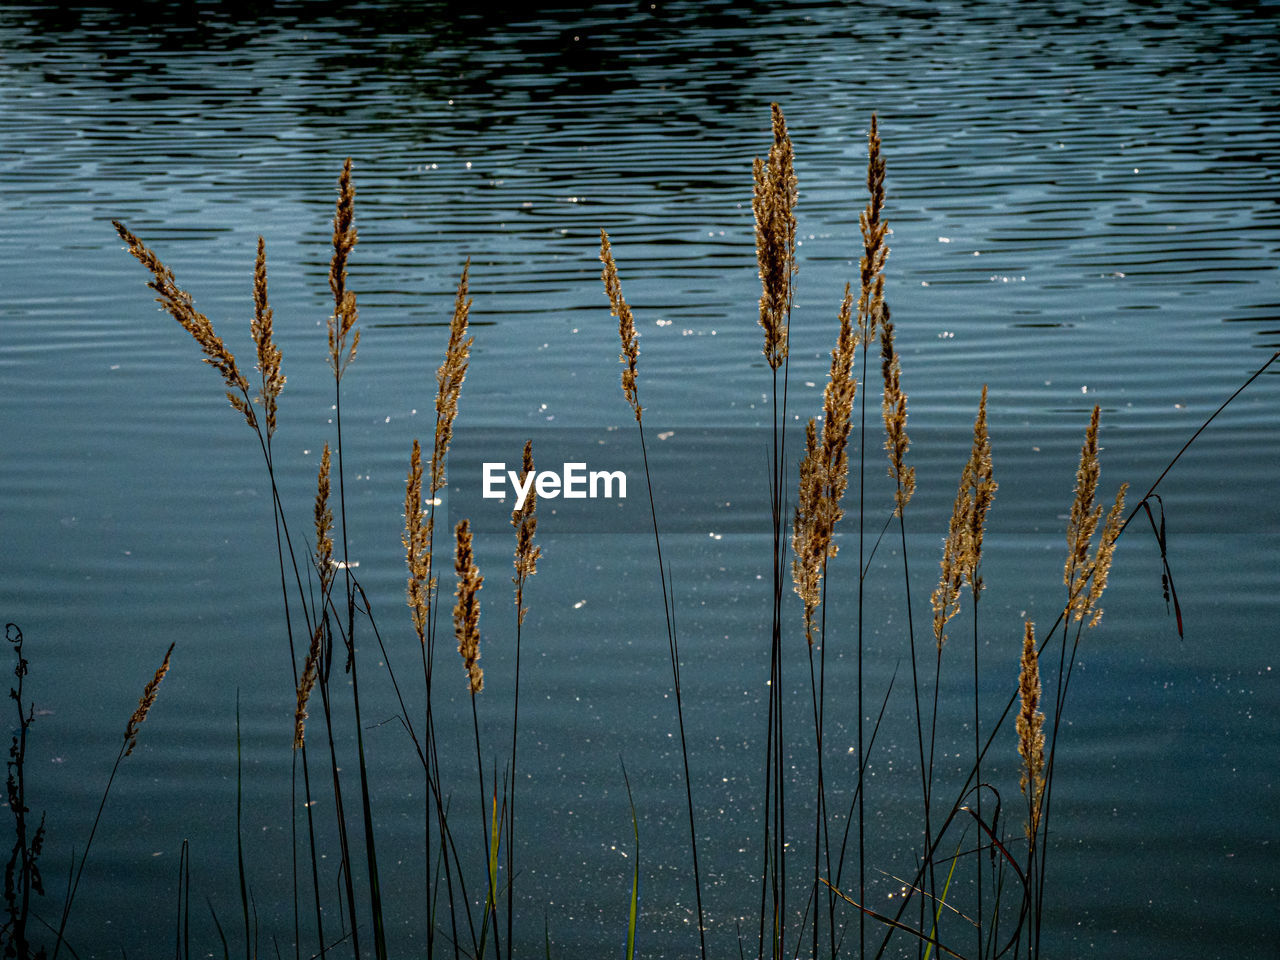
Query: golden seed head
(306, 683)
(449, 378)
(1083, 520)
(874, 250)
(825, 469)
(418, 526)
(1031, 728)
(1102, 558)
(268, 353)
(342, 341)
(626, 324)
(145, 703)
(324, 524)
(773, 203)
(179, 305)
(962, 551)
(466, 612)
(525, 521)
(807, 547)
(894, 408)
(984, 491)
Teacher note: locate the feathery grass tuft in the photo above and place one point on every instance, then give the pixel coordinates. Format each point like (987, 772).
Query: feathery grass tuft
(269, 355)
(1083, 520)
(773, 202)
(466, 612)
(180, 305)
(626, 324)
(894, 406)
(145, 703)
(525, 521)
(962, 552)
(1030, 726)
(343, 338)
(824, 472)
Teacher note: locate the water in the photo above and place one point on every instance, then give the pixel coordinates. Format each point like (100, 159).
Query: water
(1083, 211)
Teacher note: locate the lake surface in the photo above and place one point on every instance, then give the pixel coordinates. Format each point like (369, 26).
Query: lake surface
(1084, 210)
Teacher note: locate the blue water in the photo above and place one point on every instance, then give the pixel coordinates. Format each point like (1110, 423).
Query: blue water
(1083, 204)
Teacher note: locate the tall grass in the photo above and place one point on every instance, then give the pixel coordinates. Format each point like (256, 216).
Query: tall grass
(975, 884)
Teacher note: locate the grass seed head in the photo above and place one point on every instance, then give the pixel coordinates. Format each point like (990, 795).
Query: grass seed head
(466, 612)
(626, 325)
(145, 703)
(773, 203)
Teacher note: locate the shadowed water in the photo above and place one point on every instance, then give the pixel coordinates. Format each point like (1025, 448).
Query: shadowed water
(1083, 205)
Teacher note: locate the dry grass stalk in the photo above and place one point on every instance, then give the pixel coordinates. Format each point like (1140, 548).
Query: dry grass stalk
(1083, 520)
(1031, 728)
(341, 350)
(417, 544)
(525, 521)
(806, 543)
(626, 324)
(824, 470)
(1103, 556)
(324, 524)
(962, 552)
(773, 202)
(984, 491)
(325, 570)
(268, 353)
(179, 305)
(453, 370)
(466, 612)
(874, 251)
(895, 415)
(307, 683)
(419, 523)
(145, 703)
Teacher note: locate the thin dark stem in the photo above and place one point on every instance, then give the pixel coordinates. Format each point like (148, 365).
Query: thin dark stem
(977, 764)
(673, 646)
(1239, 390)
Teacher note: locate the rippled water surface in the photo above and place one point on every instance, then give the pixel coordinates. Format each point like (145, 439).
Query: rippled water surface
(1084, 210)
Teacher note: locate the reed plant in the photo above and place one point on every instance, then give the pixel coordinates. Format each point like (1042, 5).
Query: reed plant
(975, 884)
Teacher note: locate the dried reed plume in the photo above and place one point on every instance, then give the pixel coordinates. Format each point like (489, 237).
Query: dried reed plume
(341, 324)
(417, 544)
(325, 569)
(824, 471)
(466, 612)
(179, 305)
(324, 523)
(773, 202)
(1083, 520)
(307, 683)
(962, 552)
(895, 415)
(145, 703)
(626, 324)
(419, 524)
(874, 251)
(268, 353)
(1102, 557)
(984, 491)
(453, 370)
(525, 521)
(1031, 729)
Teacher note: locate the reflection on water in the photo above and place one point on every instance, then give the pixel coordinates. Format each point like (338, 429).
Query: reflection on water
(1082, 203)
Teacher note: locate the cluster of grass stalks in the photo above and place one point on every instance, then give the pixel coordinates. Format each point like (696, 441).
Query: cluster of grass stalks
(976, 885)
